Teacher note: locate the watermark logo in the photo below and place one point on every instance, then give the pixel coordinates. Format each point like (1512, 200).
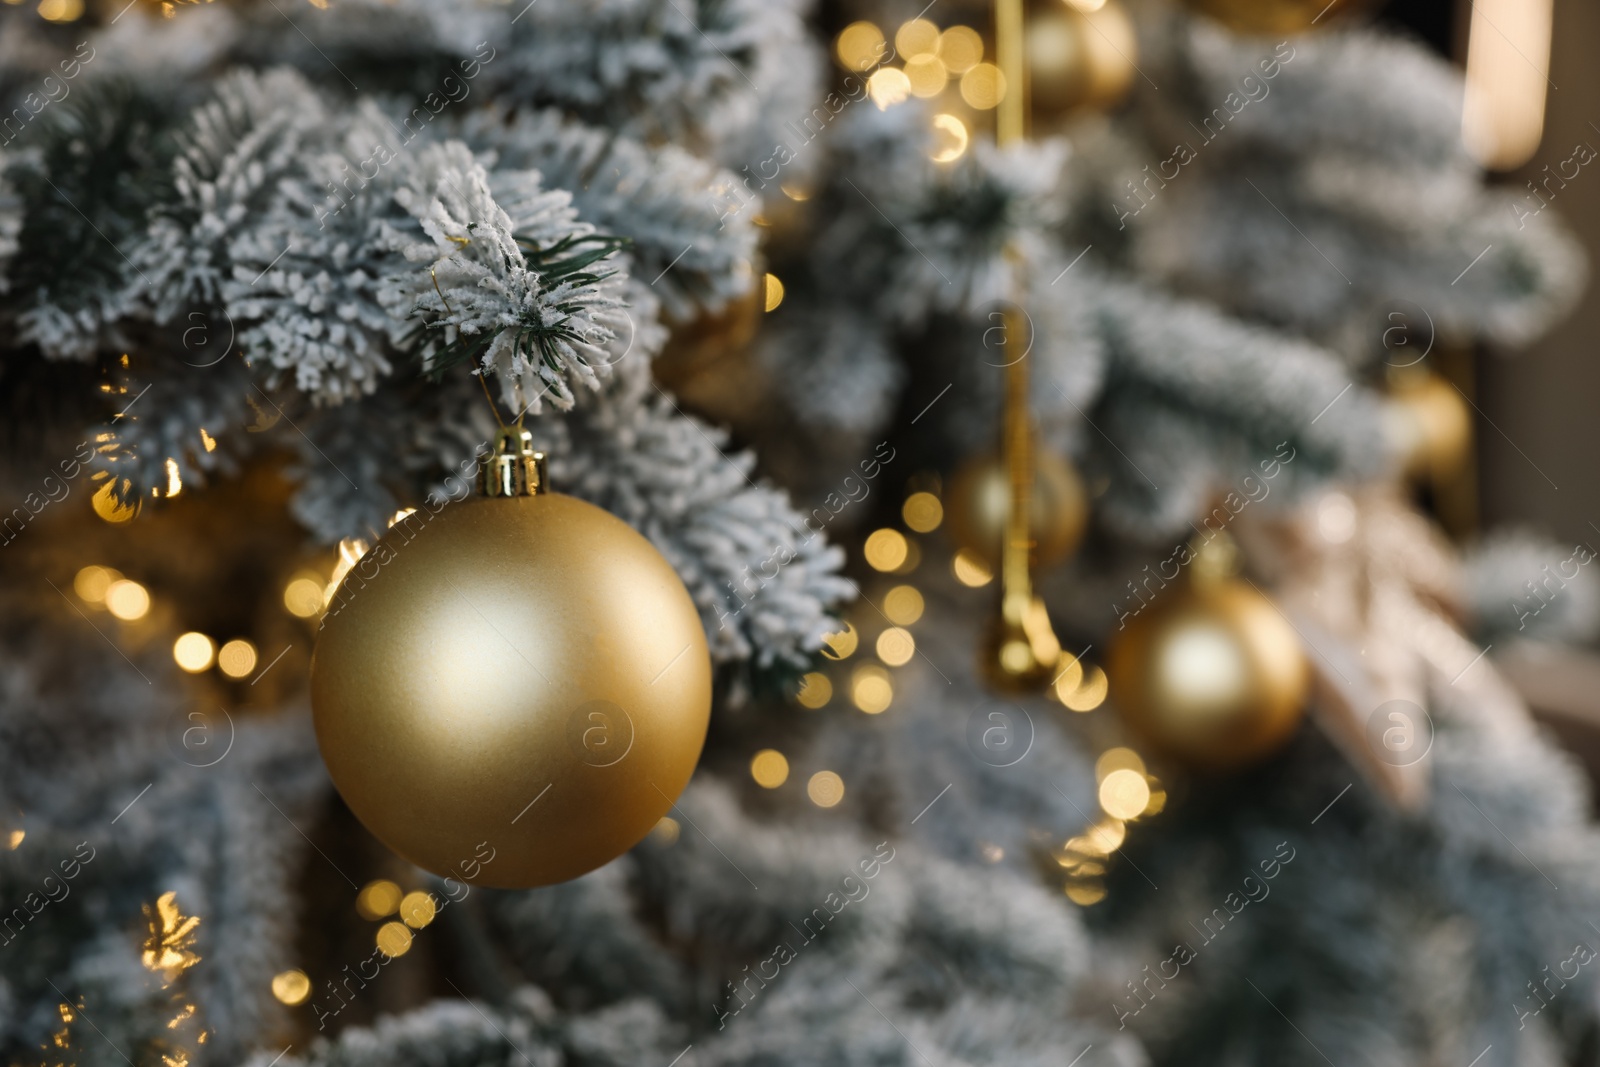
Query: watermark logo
(1008, 337)
(202, 738)
(1408, 335)
(999, 734)
(1399, 732)
(600, 733)
(197, 342)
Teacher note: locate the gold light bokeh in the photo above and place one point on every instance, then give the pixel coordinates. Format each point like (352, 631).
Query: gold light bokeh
(666, 831)
(840, 644)
(1091, 692)
(815, 690)
(896, 646)
(1069, 675)
(393, 939)
(825, 789)
(91, 583)
(922, 512)
(970, 569)
(860, 46)
(61, 10)
(871, 689)
(955, 140)
(983, 87)
(107, 507)
(961, 48)
(378, 899)
(774, 292)
(303, 596)
(885, 550)
(916, 38)
(1085, 893)
(291, 987)
(903, 605)
(926, 75)
(1117, 759)
(769, 768)
(193, 652)
(1124, 794)
(417, 909)
(1105, 836)
(127, 600)
(888, 86)
(237, 658)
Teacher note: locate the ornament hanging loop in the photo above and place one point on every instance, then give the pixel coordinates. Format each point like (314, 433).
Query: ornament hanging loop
(512, 468)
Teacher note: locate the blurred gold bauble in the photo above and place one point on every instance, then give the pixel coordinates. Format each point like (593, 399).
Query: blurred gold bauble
(708, 340)
(1277, 16)
(1430, 425)
(513, 691)
(979, 502)
(1079, 58)
(1209, 673)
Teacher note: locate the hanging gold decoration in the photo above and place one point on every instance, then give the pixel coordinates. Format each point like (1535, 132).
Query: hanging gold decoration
(1278, 16)
(1079, 58)
(1209, 671)
(511, 690)
(979, 501)
(1430, 425)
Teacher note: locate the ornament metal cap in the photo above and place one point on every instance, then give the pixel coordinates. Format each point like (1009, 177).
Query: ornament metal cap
(512, 467)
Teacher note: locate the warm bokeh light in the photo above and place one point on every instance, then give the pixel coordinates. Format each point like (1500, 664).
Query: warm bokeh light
(888, 86)
(107, 507)
(860, 46)
(91, 583)
(903, 605)
(174, 478)
(815, 690)
(194, 652)
(1508, 74)
(1069, 675)
(983, 87)
(1086, 892)
(774, 292)
(302, 597)
(15, 839)
(237, 658)
(961, 48)
(922, 512)
(61, 10)
(393, 939)
(1105, 836)
(841, 644)
(207, 440)
(417, 909)
(1088, 7)
(926, 75)
(1124, 794)
(378, 899)
(769, 768)
(916, 38)
(291, 987)
(871, 689)
(825, 789)
(970, 570)
(1117, 759)
(1158, 798)
(666, 831)
(896, 646)
(953, 145)
(885, 550)
(1091, 692)
(127, 600)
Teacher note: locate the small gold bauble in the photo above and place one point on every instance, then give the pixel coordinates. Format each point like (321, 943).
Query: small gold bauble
(1079, 59)
(1277, 16)
(1209, 673)
(513, 691)
(1430, 425)
(979, 502)
(709, 341)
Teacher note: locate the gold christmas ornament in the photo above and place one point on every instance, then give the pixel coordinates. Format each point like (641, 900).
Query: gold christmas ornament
(710, 341)
(513, 689)
(978, 504)
(1277, 16)
(1209, 672)
(1079, 58)
(1429, 424)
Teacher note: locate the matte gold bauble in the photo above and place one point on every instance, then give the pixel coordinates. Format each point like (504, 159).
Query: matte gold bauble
(1277, 16)
(979, 502)
(1210, 674)
(511, 691)
(1429, 423)
(1078, 58)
